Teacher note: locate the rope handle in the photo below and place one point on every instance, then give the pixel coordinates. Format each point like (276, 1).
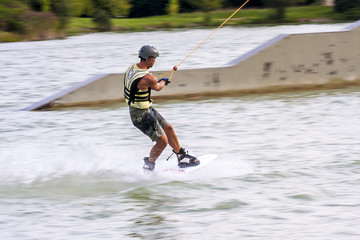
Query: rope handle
(207, 38)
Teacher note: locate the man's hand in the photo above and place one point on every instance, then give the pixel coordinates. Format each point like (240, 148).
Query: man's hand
(166, 80)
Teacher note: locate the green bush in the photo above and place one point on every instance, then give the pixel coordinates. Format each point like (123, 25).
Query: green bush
(280, 8)
(10, 12)
(349, 9)
(62, 10)
(172, 8)
(102, 20)
(144, 8)
(9, 37)
(38, 25)
(352, 14)
(342, 6)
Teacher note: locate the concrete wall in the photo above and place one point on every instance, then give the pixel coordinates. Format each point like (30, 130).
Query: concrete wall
(296, 61)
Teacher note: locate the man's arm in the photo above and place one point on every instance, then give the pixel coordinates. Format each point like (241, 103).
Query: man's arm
(150, 81)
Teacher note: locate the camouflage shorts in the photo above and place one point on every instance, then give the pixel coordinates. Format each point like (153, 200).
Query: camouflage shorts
(149, 121)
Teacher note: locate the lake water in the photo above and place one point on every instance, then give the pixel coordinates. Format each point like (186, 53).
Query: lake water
(288, 164)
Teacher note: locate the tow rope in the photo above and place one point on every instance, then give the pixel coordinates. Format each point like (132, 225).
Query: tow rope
(207, 38)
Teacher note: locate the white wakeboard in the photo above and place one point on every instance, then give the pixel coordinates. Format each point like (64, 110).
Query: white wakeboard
(204, 160)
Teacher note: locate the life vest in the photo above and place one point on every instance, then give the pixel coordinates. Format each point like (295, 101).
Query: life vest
(135, 97)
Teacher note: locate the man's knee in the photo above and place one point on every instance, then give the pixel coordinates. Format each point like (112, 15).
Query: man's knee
(169, 128)
(163, 140)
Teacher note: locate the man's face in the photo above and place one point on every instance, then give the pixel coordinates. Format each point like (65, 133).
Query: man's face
(150, 61)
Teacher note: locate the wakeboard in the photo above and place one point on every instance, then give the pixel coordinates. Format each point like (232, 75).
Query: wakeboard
(204, 160)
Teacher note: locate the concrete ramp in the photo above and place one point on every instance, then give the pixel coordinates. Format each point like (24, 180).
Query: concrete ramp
(287, 62)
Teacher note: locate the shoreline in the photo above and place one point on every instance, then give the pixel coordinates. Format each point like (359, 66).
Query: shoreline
(249, 18)
(8, 37)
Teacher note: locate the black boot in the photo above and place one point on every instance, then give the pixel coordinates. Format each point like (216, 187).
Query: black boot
(185, 159)
(148, 166)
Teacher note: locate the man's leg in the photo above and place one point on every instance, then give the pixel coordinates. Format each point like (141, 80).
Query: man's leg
(158, 148)
(180, 152)
(168, 138)
(172, 138)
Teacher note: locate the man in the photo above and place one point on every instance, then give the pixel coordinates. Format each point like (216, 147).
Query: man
(138, 83)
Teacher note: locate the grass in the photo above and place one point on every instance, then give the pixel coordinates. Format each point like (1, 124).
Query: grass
(9, 37)
(311, 13)
(185, 20)
(306, 14)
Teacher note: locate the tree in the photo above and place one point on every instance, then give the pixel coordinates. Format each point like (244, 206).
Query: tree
(144, 8)
(120, 8)
(88, 8)
(61, 8)
(206, 6)
(105, 9)
(38, 25)
(238, 3)
(16, 17)
(172, 8)
(35, 5)
(10, 14)
(81, 8)
(350, 9)
(45, 5)
(102, 20)
(280, 8)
